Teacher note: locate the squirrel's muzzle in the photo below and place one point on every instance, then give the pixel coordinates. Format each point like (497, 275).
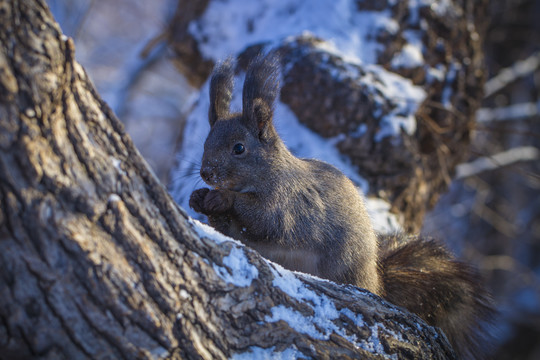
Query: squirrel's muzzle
(207, 175)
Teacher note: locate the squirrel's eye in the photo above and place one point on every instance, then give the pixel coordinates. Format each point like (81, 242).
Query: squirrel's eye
(238, 149)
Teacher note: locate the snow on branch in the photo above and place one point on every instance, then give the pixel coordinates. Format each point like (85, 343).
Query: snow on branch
(511, 74)
(512, 112)
(492, 162)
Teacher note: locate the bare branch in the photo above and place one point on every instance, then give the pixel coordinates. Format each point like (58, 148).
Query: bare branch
(510, 74)
(512, 112)
(492, 162)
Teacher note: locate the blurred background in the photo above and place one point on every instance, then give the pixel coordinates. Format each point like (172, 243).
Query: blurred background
(491, 218)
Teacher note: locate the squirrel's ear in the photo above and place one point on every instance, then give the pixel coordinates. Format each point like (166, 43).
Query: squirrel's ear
(261, 88)
(221, 88)
(261, 115)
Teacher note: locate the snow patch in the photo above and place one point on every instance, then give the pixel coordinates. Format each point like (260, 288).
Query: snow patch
(409, 57)
(448, 91)
(384, 222)
(492, 162)
(404, 96)
(305, 143)
(441, 8)
(323, 308)
(255, 352)
(356, 318)
(297, 321)
(229, 26)
(511, 112)
(411, 53)
(511, 74)
(320, 325)
(118, 166)
(435, 73)
(238, 271)
(184, 294)
(113, 198)
(209, 232)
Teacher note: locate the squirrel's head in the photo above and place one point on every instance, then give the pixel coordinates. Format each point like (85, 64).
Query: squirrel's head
(241, 145)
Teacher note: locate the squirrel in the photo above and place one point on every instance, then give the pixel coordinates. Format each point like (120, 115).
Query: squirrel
(308, 216)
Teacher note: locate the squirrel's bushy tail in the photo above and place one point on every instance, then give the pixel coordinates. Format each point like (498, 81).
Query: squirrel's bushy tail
(424, 277)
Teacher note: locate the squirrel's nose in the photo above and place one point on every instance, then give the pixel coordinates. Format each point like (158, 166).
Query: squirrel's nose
(207, 174)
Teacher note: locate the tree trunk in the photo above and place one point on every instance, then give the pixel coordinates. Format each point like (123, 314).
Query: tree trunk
(97, 261)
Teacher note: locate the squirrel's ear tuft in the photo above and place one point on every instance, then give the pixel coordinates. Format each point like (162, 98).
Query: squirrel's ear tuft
(261, 88)
(221, 88)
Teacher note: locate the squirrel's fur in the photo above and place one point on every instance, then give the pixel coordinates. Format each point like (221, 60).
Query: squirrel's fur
(308, 216)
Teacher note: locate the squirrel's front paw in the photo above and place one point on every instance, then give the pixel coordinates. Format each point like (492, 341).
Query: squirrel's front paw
(196, 200)
(206, 201)
(218, 201)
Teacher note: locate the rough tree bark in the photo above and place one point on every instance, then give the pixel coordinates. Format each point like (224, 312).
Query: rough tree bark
(96, 260)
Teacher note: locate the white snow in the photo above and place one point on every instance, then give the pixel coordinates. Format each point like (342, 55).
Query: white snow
(320, 325)
(209, 232)
(117, 163)
(411, 53)
(229, 26)
(511, 112)
(184, 294)
(409, 57)
(292, 286)
(350, 34)
(511, 74)
(448, 91)
(505, 158)
(305, 143)
(403, 94)
(384, 222)
(440, 7)
(238, 270)
(30, 112)
(297, 321)
(435, 73)
(113, 198)
(255, 352)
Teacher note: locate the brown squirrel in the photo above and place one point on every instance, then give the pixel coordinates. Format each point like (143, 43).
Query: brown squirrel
(308, 216)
